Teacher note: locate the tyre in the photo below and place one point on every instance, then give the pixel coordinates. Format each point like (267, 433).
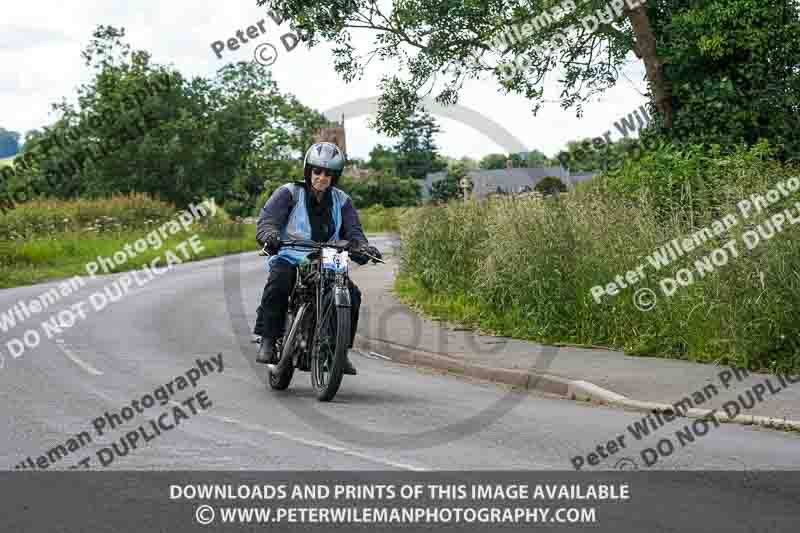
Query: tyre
(330, 350)
(281, 380)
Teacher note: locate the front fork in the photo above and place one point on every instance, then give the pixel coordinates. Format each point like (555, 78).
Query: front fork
(341, 298)
(341, 292)
(292, 338)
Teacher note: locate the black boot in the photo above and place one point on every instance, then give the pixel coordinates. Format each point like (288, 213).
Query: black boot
(349, 369)
(267, 354)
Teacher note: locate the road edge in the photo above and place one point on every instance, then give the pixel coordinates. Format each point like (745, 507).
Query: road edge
(569, 389)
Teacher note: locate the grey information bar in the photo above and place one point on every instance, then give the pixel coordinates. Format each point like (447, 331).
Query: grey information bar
(641, 502)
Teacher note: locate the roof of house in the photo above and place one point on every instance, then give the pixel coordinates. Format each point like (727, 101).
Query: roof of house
(509, 180)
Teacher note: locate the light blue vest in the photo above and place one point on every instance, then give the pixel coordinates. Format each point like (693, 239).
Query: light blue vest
(298, 226)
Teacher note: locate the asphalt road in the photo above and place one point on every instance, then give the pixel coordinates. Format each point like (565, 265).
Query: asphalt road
(156, 333)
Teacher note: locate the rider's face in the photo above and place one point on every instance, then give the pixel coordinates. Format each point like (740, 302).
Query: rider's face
(320, 181)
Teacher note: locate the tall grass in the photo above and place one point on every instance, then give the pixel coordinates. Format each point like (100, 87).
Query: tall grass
(48, 239)
(379, 219)
(41, 218)
(526, 269)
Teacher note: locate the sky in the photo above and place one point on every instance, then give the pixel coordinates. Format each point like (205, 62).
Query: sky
(41, 43)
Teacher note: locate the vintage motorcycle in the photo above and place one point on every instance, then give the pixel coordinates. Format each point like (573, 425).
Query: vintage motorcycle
(317, 332)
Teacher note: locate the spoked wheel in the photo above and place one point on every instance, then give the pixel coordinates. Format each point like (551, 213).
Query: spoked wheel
(330, 352)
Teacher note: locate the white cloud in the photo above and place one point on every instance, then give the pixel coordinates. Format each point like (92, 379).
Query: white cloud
(40, 51)
(21, 38)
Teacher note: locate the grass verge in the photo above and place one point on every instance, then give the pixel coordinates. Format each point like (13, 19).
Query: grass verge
(379, 219)
(43, 259)
(48, 239)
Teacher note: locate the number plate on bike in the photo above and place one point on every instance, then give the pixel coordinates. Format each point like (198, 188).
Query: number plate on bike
(333, 260)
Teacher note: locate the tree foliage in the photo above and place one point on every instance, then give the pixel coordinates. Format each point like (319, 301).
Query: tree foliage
(415, 153)
(585, 156)
(719, 70)
(382, 189)
(494, 161)
(449, 187)
(499, 161)
(735, 71)
(143, 127)
(550, 185)
(416, 150)
(441, 44)
(382, 159)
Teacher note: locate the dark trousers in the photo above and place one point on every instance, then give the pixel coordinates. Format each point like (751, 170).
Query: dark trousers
(271, 317)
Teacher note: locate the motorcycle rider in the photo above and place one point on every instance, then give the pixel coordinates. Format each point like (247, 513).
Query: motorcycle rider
(311, 210)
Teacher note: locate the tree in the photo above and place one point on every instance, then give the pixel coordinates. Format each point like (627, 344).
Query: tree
(584, 155)
(31, 134)
(581, 155)
(709, 65)
(499, 161)
(446, 161)
(383, 159)
(448, 187)
(416, 150)
(142, 127)
(494, 161)
(550, 185)
(735, 71)
(381, 189)
(469, 163)
(535, 158)
(9, 143)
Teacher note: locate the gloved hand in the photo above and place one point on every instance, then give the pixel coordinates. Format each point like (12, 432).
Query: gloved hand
(374, 252)
(272, 243)
(365, 248)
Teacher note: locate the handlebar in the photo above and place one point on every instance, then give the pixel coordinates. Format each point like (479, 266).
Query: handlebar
(339, 246)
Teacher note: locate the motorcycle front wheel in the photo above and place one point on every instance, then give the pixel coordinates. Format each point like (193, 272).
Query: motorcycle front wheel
(330, 349)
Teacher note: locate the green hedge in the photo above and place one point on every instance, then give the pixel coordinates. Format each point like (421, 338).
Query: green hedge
(42, 218)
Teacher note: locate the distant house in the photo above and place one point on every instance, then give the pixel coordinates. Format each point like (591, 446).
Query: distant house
(509, 180)
(357, 172)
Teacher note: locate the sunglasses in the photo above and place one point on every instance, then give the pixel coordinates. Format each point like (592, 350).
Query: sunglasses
(323, 172)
